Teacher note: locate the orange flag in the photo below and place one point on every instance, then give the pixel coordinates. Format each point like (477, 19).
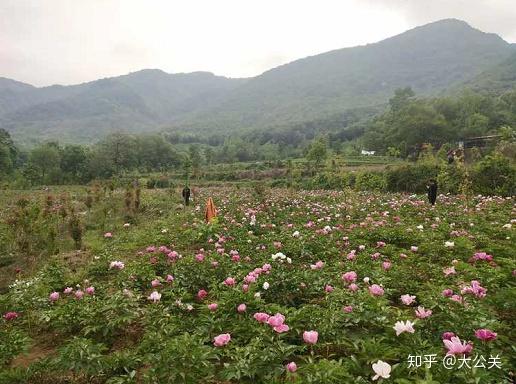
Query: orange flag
(210, 211)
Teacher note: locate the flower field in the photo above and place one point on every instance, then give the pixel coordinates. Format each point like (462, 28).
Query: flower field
(283, 287)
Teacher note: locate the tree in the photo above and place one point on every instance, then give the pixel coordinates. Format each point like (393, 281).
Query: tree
(401, 98)
(317, 151)
(8, 154)
(46, 160)
(208, 155)
(74, 160)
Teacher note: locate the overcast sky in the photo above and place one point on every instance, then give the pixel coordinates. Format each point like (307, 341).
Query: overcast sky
(45, 42)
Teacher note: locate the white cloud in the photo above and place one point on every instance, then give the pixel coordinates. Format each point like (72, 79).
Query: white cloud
(69, 41)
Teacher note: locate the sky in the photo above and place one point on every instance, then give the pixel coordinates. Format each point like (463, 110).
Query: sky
(45, 42)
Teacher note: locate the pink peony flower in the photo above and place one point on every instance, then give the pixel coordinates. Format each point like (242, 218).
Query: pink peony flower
(481, 256)
(310, 337)
(291, 367)
(422, 313)
(407, 299)
(386, 265)
(456, 298)
(10, 316)
(229, 282)
(54, 296)
(108, 235)
(353, 287)
(328, 288)
(213, 307)
(170, 278)
(456, 347)
(221, 340)
(116, 265)
(475, 289)
(261, 317)
(414, 248)
(485, 334)
(347, 309)
(201, 294)
(90, 291)
(155, 283)
(350, 277)
(447, 335)
(281, 328)
(376, 290)
(447, 293)
(317, 265)
(241, 308)
(276, 320)
(79, 294)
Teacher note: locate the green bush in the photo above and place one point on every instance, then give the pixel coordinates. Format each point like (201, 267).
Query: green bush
(370, 181)
(494, 175)
(410, 178)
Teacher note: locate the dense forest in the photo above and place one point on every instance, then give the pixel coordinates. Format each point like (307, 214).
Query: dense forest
(398, 131)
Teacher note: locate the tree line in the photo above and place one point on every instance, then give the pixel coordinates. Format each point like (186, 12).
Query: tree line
(406, 123)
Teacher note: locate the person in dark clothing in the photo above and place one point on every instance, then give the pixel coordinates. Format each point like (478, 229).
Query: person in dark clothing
(186, 195)
(432, 191)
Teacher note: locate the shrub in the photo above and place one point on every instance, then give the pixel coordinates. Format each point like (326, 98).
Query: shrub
(410, 178)
(370, 181)
(495, 175)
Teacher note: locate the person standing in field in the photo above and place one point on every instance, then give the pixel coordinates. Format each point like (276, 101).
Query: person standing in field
(432, 191)
(186, 195)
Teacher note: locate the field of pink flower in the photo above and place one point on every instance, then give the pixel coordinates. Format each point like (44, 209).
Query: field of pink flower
(283, 287)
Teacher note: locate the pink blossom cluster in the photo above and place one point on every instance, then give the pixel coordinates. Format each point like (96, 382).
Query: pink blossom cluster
(277, 322)
(475, 289)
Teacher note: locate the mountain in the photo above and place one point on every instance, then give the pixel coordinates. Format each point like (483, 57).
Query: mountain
(432, 59)
(142, 101)
(496, 79)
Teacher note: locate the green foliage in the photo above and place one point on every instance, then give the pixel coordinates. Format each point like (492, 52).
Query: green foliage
(179, 359)
(410, 178)
(370, 181)
(13, 341)
(495, 174)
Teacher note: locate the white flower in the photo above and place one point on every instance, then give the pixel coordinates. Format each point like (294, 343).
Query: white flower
(449, 244)
(295, 234)
(279, 255)
(266, 285)
(382, 369)
(257, 295)
(164, 230)
(401, 327)
(155, 296)
(116, 265)
(507, 226)
(366, 280)
(420, 227)
(127, 225)
(289, 260)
